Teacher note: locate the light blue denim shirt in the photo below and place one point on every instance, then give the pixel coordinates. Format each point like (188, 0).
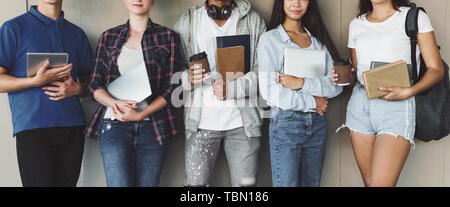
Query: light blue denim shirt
(271, 61)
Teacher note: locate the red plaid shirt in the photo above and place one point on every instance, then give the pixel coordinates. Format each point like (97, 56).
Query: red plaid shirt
(163, 58)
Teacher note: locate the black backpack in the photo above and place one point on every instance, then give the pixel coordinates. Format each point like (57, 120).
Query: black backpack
(432, 106)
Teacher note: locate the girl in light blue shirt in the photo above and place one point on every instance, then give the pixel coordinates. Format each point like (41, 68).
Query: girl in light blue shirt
(298, 128)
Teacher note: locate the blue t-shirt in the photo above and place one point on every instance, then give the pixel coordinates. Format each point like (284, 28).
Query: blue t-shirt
(33, 32)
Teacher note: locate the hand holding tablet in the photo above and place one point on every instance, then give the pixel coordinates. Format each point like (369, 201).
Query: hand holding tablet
(47, 67)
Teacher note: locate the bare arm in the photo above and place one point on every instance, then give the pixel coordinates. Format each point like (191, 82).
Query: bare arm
(124, 107)
(84, 82)
(10, 84)
(434, 74)
(133, 116)
(353, 74)
(125, 111)
(432, 57)
(103, 97)
(68, 88)
(354, 58)
(158, 104)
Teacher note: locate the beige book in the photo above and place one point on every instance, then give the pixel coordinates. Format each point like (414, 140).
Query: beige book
(231, 60)
(390, 75)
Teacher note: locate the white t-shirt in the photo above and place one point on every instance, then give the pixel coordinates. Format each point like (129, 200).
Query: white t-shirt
(215, 114)
(385, 41)
(127, 60)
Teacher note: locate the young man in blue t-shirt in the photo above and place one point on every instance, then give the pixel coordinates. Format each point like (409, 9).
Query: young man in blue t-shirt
(47, 115)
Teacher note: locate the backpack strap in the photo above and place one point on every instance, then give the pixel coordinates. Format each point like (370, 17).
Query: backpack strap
(412, 30)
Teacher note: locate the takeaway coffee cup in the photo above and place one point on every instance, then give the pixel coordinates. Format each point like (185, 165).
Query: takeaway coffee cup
(343, 69)
(201, 59)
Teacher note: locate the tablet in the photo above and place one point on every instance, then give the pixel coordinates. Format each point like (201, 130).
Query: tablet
(35, 60)
(304, 63)
(376, 64)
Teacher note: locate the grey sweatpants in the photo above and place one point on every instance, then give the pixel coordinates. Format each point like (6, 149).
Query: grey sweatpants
(241, 151)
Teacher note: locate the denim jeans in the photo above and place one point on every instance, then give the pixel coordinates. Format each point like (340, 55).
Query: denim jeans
(297, 148)
(132, 156)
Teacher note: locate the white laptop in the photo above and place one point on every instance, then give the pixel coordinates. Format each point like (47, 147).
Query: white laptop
(132, 86)
(304, 63)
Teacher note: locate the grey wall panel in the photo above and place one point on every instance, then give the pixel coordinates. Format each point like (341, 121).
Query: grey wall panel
(9, 172)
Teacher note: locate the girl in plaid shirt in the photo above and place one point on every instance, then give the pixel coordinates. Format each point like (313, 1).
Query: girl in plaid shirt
(133, 135)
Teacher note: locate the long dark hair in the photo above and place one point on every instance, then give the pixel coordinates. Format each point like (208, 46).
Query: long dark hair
(312, 20)
(365, 6)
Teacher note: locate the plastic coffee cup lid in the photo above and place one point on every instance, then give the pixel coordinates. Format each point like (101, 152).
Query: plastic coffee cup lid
(198, 57)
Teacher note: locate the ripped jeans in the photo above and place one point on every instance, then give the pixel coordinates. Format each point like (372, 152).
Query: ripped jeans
(241, 151)
(132, 156)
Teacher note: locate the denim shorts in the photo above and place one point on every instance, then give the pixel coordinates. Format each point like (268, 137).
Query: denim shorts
(378, 116)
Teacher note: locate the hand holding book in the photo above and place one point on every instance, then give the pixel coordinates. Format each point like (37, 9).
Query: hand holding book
(396, 93)
(390, 82)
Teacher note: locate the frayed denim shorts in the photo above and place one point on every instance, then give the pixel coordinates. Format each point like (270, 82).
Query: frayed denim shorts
(378, 116)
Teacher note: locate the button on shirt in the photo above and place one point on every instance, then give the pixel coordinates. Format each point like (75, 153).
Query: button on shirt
(271, 61)
(33, 32)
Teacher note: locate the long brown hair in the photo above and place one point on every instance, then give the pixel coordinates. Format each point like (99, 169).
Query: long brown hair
(365, 6)
(312, 20)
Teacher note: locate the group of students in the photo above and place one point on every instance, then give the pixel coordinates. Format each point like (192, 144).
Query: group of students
(49, 122)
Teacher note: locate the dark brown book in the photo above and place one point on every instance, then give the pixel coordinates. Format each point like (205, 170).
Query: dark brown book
(231, 61)
(390, 75)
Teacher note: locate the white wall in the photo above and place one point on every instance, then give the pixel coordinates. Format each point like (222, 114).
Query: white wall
(428, 164)
(9, 171)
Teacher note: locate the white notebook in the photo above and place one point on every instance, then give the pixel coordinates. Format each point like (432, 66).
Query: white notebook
(132, 86)
(304, 63)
